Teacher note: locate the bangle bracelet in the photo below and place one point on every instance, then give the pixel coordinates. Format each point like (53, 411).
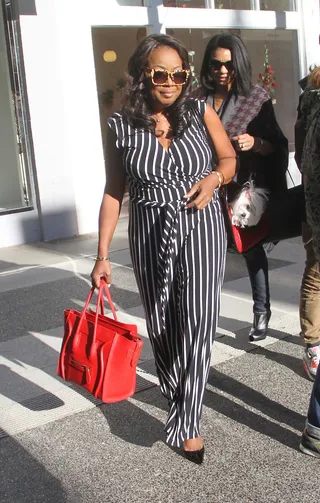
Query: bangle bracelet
(223, 177)
(99, 259)
(220, 176)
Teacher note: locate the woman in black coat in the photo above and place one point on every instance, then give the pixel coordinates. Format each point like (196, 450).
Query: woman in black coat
(247, 114)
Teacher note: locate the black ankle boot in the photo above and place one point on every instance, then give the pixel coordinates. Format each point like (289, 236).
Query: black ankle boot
(259, 327)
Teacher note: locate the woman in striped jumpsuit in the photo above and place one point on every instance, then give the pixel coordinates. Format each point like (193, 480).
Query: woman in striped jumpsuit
(176, 228)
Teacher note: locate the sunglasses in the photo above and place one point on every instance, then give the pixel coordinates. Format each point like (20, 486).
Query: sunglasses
(216, 64)
(161, 77)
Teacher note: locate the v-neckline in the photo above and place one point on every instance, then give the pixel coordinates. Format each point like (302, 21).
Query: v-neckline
(164, 148)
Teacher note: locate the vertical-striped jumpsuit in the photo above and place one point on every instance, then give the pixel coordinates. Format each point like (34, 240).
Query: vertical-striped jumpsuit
(178, 258)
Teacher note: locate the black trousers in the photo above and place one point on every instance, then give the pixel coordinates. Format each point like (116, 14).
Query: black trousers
(257, 265)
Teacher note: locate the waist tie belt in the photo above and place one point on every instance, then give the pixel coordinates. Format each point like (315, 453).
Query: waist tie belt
(165, 260)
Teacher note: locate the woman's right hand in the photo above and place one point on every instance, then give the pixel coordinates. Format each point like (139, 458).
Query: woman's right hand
(102, 269)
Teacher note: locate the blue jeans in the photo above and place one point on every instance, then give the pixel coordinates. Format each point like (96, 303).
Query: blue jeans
(313, 420)
(257, 265)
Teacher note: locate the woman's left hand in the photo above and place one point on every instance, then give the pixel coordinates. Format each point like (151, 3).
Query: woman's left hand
(204, 189)
(243, 142)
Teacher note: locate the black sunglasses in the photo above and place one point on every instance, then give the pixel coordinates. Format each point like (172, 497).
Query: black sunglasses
(216, 64)
(161, 77)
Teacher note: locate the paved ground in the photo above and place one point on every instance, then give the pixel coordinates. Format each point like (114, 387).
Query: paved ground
(58, 445)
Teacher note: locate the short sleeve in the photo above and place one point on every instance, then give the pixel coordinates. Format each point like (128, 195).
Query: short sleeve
(202, 106)
(115, 122)
(196, 106)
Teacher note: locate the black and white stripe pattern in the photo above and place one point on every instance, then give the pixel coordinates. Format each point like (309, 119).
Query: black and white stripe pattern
(178, 257)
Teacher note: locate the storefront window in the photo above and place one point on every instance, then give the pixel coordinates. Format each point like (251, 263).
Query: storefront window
(111, 57)
(134, 3)
(274, 5)
(14, 126)
(233, 4)
(278, 5)
(185, 3)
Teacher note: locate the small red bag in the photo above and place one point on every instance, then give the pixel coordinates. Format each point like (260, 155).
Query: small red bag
(243, 240)
(98, 353)
(281, 220)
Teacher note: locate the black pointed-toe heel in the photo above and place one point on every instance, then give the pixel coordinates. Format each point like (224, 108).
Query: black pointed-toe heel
(195, 456)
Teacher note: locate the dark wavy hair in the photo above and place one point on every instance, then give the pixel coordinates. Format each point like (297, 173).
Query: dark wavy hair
(136, 103)
(241, 62)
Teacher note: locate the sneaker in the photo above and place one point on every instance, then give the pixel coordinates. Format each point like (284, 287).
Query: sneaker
(311, 360)
(309, 445)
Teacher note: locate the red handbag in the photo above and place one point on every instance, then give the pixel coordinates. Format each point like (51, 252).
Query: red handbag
(243, 240)
(281, 220)
(99, 353)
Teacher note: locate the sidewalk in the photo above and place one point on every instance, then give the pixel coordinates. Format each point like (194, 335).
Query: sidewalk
(60, 445)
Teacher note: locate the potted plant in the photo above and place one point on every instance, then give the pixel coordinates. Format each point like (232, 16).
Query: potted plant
(267, 78)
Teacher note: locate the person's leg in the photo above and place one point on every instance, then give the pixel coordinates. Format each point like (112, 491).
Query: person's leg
(310, 440)
(310, 307)
(257, 265)
(198, 281)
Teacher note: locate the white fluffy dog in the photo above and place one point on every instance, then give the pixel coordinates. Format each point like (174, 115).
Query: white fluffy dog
(249, 205)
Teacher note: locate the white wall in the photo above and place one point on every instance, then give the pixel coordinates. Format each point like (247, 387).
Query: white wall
(64, 116)
(310, 18)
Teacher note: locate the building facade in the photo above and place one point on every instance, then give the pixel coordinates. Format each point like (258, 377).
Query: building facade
(62, 64)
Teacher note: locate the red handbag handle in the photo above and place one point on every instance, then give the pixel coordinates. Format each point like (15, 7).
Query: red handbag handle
(102, 289)
(104, 286)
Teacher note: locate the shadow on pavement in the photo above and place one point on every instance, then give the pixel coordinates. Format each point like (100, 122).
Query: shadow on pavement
(24, 479)
(253, 398)
(6, 267)
(254, 421)
(14, 386)
(129, 422)
(240, 341)
(241, 331)
(223, 405)
(291, 362)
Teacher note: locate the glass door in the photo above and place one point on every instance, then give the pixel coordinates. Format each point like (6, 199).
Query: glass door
(15, 135)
